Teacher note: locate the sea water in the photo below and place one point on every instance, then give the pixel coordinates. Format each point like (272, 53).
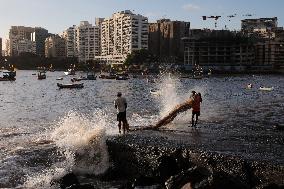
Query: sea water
(46, 132)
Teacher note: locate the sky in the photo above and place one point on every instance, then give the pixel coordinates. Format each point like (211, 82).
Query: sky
(58, 15)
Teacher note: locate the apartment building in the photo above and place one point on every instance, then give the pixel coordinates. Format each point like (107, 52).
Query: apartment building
(122, 34)
(16, 34)
(38, 36)
(165, 37)
(221, 49)
(21, 35)
(70, 41)
(25, 46)
(82, 41)
(260, 27)
(55, 47)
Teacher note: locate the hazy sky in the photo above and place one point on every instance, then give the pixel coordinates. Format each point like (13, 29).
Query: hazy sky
(57, 15)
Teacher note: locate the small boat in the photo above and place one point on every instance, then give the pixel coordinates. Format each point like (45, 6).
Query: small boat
(121, 77)
(60, 78)
(197, 72)
(8, 76)
(266, 88)
(70, 72)
(155, 92)
(249, 86)
(71, 86)
(41, 75)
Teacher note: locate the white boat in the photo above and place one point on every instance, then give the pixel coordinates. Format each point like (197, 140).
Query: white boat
(266, 88)
(249, 86)
(60, 78)
(155, 92)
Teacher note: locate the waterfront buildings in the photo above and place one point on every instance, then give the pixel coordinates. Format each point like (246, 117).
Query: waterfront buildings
(122, 34)
(38, 36)
(55, 47)
(18, 36)
(70, 40)
(261, 27)
(26, 39)
(82, 41)
(165, 38)
(218, 49)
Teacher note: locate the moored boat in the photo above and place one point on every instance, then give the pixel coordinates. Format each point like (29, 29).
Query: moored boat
(155, 92)
(266, 88)
(75, 85)
(8, 76)
(41, 75)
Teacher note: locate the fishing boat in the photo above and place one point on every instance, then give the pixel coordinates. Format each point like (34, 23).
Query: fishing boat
(70, 71)
(266, 88)
(70, 86)
(51, 69)
(249, 86)
(155, 92)
(197, 72)
(8, 76)
(41, 75)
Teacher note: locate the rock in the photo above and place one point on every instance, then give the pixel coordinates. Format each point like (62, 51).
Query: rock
(68, 181)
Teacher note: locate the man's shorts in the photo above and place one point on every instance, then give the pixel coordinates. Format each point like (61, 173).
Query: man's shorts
(196, 113)
(121, 116)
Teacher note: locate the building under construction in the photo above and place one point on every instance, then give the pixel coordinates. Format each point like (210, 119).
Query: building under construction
(220, 50)
(165, 38)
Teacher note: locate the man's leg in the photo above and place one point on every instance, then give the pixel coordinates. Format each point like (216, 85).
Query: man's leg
(192, 120)
(196, 120)
(119, 126)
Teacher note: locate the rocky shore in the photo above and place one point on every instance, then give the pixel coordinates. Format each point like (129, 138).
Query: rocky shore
(192, 158)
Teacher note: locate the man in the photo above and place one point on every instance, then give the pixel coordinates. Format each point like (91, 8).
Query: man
(195, 107)
(121, 105)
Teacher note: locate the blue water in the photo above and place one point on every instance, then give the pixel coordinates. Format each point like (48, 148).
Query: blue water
(43, 127)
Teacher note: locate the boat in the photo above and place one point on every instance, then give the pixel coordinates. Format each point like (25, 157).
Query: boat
(197, 72)
(60, 78)
(266, 88)
(70, 86)
(155, 92)
(249, 86)
(41, 75)
(51, 69)
(8, 76)
(70, 71)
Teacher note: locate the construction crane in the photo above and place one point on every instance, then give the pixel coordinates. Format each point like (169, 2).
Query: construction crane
(213, 17)
(231, 16)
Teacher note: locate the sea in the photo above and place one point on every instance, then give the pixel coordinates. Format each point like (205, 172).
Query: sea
(43, 128)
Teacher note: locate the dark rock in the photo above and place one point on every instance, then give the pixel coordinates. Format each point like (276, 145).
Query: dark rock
(68, 181)
(194, 176)
(269, 186)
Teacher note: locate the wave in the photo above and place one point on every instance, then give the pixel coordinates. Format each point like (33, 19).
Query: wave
(81, 145)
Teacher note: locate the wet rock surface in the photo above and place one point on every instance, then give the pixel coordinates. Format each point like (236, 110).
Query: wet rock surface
(197, 158)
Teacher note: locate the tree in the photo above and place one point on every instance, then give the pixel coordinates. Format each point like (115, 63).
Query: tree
(141, 56)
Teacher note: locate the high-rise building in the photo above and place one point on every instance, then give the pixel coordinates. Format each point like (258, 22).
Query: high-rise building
(38, 36)
(20, 35)
(55, 47)
(87, 41)
(122, 34)
(70, 39)
(165, 37)
(262, 27)
(26, 46)
(82, 41)
(218, 49)
(16, 34)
